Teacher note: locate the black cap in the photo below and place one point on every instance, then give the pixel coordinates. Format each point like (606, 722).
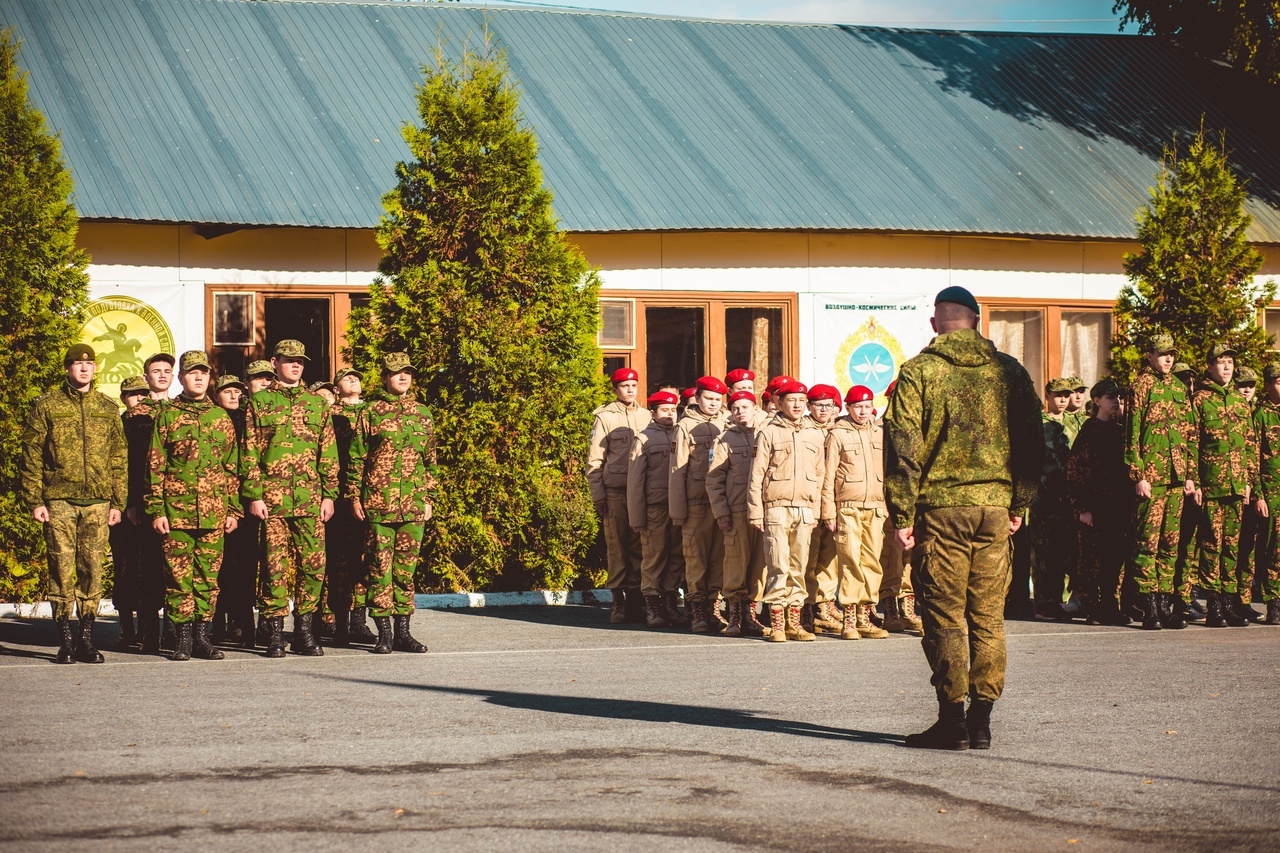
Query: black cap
(959, 295)
(1104, 387)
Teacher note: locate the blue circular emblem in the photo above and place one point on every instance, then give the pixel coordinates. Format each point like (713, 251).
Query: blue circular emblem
(872, 365)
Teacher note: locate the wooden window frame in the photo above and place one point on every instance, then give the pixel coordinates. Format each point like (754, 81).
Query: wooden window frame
(1052, 312)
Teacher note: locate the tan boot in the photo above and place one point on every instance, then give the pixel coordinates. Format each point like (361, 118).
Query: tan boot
(671, 610)
(751, 626)
(796, 631)
(849, 627)
(892, 618)
(866, 627)
(702, 623)
(653, 614)
(618, 613)
(826, 619)
(777, 632)
(806, 617)
(735, 620)
(907, 608)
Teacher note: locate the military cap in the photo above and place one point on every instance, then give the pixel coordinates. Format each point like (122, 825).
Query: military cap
(662, 398)
(1059, 386)
(1180, 368)
(888, 392)
(394, 362)
(229, 380)
(624, 374)
(688, 394)
(194, 358)
(1103, 388)
(739, 375)
(1246, 376)
(792, 387)
(289, 348)
(1077, 384)
(1219, 350)
(859, 394)
(345, 372)
(78, 352)
(824, 392)
(134, 385)
(160, 356)
(316, 386)
(1160, 344)
(1271, 371)
(259, 368)
(777, 382)
(712, 384)
(958, 296)
(741, 395)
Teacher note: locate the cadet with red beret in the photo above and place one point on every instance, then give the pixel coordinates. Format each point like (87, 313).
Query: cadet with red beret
(741, 379)
(662, 554)
(822, 575)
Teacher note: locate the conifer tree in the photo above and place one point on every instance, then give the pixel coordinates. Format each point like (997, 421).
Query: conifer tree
(43, 288)
(1194, 274)
(499, 312)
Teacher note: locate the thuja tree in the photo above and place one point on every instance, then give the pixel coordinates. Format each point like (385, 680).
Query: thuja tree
(1194, 274)
(498, 310)
(43, 287)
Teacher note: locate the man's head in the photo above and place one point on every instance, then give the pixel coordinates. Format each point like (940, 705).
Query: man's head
(158, 369)
(1183, 371)
(792, 398)
(742, 407)
(1057, 396)
(1246, 382)
(348, 382)
(326, 390)
(1161, 353)
(228, 391)
(81, 363)
(1271, 381)
(740, 379)
(1221, 362)
(289, 360)
(711, 393)
(1079, 394)
(626, 385)
(193, 374)
(859, 402)
(824, 403)
(259, 374)
(1106, 399)
(133, 391)
(398, 373)
(665, 406)
(954, 308)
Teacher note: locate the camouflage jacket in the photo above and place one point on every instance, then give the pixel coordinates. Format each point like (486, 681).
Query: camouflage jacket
(1052, 497)
(73, 448)
(648, 472)
(393, 459)
(139, 422)
(963, 428)
(1072, 423)
(1160, 441)
(1266, 428)
(1097, 478)
(344, 427)
(1228, 450)
(289, 458)
(194, 465)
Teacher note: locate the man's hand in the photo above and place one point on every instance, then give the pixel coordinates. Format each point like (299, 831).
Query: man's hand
(161, 526)
(1248, 490)
(357, 509)
(326, 509)
(758, 525)
(1086, 518)
(1260, 507)
(41, 514)
(1189, 487)
(231, 524)
(906, 538)
(602, 510)
(831, 525)
(113, 517)
(258, 509)
(1015, 522)
(1199, 495)
(1143, 489)
(725, 524)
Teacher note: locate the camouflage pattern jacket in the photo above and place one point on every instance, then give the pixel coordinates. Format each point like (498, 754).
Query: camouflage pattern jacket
(1228, 450)
(194, 465)
(612, 432)
(344, 427)
(1097, 478)
(963, 428)
(1266, 428)
(648, 472)
(393, 459)
(289, 458)
(73, 448)
(788, 468)
(696, 436)
(139, 422)
(1072, 423)
(854, 466)
(729, 476)
(1052, 500)
(1160, 444)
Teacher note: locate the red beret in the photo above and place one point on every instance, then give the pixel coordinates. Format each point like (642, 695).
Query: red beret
(625, 374)
(777, 382)
(859, 394)
(765, 396)
(824, 392)
(712, 384)
(741, 395)
(688, 393)
(792, 387)
(739, 375)
(663, 398)
(889, 391)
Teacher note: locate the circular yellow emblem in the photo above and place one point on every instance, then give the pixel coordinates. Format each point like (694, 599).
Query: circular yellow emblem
(871, 357)
(124, 332)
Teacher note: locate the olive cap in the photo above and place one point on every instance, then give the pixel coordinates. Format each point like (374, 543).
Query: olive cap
(316, 386)
(289, 348)
(194, 358)
(345, 372)
(229, 380)
(1059, 386)
(1181, 367)
(1077, 384)
(1104, 388)
(394, 362)
(1160, 344)
(134, 385)
(1246, 376)
(259, 368)
(160, 356)
(1219, 350)
(1271, 371)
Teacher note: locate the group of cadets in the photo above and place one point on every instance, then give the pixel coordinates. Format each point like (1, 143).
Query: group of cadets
(229, 494)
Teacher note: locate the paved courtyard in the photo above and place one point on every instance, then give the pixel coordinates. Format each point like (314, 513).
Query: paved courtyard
(547, 729)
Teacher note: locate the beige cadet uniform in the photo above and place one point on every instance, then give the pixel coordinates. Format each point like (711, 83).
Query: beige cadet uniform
(662, 563)
(823, 571)
(853, 497)
(615, 428)
(690, 507)
(728, 481)
(785, 497)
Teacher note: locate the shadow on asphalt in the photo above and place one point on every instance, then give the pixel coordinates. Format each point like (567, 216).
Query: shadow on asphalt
(647, 712)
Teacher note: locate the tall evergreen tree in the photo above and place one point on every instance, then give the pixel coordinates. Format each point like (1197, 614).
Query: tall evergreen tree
(499, 312)
(43, 288)
(1194, 275)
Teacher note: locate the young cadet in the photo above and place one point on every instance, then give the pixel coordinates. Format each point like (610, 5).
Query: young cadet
(1053, 529)
(393, 478)
(648, 475)
(237, 581)
(1077, 412)
(853, 509)
(687, 402)
(702, 539)
(1266, 426)
(346, 574)
(897, 596)
(784, 501)
(126, 552)
(728, 481)
(259, 375)
(740, 379)
(158, 370)
(1228, 469)
(822, 575)
(193, 502)
(615, 427)
(1246, 382)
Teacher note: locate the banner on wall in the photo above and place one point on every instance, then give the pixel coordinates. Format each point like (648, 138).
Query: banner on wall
(863, 340)
(124, 331)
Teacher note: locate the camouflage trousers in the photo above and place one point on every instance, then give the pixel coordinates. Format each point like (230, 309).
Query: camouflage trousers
(1053, 552)
(896, 580)
(1186, 569)
(1219, 538)
(661, 553)
(397, 547)
(703, 543)
(1268, 553)
(743, 573)
(622, 544)
(788, 532)
(293, 565)
(859, 540)
(1246, 561)
(75, 539)
(1159, 520)
(822, 575)
(347, 545)
(193, 559)
(962, 564)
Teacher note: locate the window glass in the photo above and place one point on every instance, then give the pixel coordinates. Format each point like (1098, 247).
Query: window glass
(675, 340)
(1086, 344)
(753, 339)
(1021, 335)
(1271, 318)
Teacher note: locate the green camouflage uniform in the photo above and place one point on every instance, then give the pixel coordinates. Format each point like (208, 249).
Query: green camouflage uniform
(290, 460)
(1053, 527)
(959, 494)
(1266, 427)
(393, 458)
(74, 462)
(195, 484)
(1228, 467)
(347, 540)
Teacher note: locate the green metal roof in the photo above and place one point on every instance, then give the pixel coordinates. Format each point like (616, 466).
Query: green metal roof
(250, 113)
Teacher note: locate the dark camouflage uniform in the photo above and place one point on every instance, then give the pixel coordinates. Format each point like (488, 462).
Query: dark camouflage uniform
(290, 461)
(1053, 528)
(1228, 467)
(347, 542)
(393, 463)
(1098, 483)
(148, 546)
(1266, 426)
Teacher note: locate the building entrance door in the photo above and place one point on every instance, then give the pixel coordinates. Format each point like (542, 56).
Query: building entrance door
(302, 319)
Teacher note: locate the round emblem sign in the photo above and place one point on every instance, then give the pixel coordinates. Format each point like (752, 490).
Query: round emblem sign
(124, 332)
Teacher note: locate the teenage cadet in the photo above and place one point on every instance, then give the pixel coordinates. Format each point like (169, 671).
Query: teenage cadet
(783, 502)
(1246, 382)
(648, 475)
(237, 581)
(259, 375)
(1053, 529)
(1160, 451)
(964, 458)
(686, 401)
(1266, 425)
(822, 575)
(126, 553)
(347, 542)
(1077, 412)
(853, 509)
(193, 502)
(701, 537)
(73, 479)
(158, 370)
(1228, 469)
(393, 479)
(897, 596)
(740, 379)
(290, 463)
(615, 427)
(327, 390)
(728, 481)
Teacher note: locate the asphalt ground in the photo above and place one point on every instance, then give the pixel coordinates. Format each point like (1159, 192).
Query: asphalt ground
(546, 729)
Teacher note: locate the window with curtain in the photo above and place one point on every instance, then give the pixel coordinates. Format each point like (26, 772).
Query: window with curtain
(1086, 344)
(1021, 335)
(1271, 321)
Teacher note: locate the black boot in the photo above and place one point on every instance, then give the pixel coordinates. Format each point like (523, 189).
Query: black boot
(1230, 613)
(342, 629)
(128, 636)
(243, 619)
(66, 650)
(181, 642)
(217, 629)
(304, 642)
(635, 607)
(385, 640)
(404, 641)
(1169, 616)
(1213, 610)
(262, 636)
(1243, 610)
(85, 652)
(1192, 611)
(1273, 611)
(149, 626)
(167, 637)
(978, 722)
(359, 629)
(1151, 611)
(321, 628)
(948, 732)
(275, 636)
(201, 646)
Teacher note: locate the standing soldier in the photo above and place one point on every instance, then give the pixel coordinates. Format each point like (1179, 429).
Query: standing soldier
(615, 428)
(393, 463)
(1185, 567)
(728, 481)
(1053, 529)
(1160, 450)
(1228, 469)
(346, 572)
(73, 479)
(126, 551)
(259, 374)
(956, 501)
(783, 502)
(822, 575)
(193, 501)
(237, 580)
(290, 464)
(1266, 425)
(648, 472)
(1246, 382)
(702, 539)
(158, 370)
(1077, 410)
